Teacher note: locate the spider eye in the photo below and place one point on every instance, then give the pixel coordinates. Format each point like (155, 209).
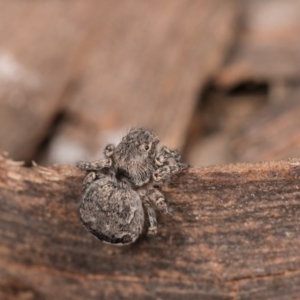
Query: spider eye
(146, 147)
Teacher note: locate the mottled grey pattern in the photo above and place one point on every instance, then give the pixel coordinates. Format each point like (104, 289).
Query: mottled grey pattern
(112, 212)
(167, 164)
(116, 187)
(134, 156)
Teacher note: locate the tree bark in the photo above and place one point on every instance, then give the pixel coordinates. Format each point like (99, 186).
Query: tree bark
(233, 234)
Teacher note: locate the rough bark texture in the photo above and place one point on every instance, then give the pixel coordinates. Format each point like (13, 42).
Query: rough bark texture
(234, 234)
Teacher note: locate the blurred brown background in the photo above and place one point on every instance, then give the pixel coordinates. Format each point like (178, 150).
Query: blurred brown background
(217, 79)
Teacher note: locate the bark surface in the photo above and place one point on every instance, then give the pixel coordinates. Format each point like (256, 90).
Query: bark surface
(233, 234)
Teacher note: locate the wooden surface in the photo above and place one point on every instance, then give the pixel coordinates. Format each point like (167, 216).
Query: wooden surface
(35, 57)
(234, 234)
(221, 120)
(144, 64)
(273, 133)
(104, 66)
(267, 47)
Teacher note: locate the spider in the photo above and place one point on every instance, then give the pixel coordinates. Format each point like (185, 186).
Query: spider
(118, 188)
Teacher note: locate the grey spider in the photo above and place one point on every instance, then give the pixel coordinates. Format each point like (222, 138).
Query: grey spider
(116, 188)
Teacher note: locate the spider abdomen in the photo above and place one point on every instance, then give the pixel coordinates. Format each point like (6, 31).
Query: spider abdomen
(112, 213)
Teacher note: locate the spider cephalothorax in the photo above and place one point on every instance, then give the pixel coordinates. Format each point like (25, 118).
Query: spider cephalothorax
(134, 156)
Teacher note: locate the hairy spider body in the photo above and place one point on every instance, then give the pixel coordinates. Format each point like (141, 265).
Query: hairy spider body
(133, 157)
(112, 211)
(116, 188)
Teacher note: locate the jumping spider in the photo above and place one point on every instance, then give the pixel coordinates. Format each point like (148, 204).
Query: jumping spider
(116, 188)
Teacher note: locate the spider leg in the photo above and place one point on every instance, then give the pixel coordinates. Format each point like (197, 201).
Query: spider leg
(94, 165)
(164, 173)
(152, 229)
(88, 179)
(109, 150)
(158, 199)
